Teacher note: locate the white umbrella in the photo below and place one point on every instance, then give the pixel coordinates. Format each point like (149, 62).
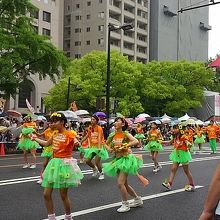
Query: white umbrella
(70, 115)
(184, 118)
(199, 122)
(84, 120)
(165, 119)
(143, 115)
(81, 112)
(165, 116)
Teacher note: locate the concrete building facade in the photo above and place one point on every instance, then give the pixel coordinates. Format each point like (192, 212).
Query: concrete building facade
(47, 21)
(178, 36)
(86, 27)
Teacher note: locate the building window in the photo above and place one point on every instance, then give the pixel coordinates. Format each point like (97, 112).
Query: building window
(77, 43)
(78, 17)
(88, 42)
(100, 27)
(68, 7)
(34, 14)
(78, 30)
(88, 3)
(101, 14)
(100, 1)
(101, 41)
(46, 16)
(67, 45)
(77, 56)
(88, 29)
(77, 5)
(68, 54)
(88, 17)
(46, 32)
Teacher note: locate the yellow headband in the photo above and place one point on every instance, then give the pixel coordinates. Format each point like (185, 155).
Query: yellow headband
(56, 114)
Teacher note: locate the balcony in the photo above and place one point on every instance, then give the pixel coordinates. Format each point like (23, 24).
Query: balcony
(142, 43)
(115, 9)
(114, 21)
(129, 52)
(129, 14)
(115, 35)
(142, 31)
(131, 3)
(128, 39)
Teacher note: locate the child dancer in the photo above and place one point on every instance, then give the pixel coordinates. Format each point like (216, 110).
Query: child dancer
(48, 150)
(25, 142)
(199, 137)
(139, 135)
(62, 171)
(180, 155)
(123, 163)
(154, 145)
(96, 147)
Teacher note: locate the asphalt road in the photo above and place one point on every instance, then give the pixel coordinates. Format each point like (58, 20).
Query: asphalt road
(21, 198)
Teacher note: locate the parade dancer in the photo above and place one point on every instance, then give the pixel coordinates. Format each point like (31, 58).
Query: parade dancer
(96, 147)
(25, 142)
(180, 155)
(47, 152)
(124, 163)
(62, 171)
(212, 131)
(199, 137)
(139, 135)
(154, 145)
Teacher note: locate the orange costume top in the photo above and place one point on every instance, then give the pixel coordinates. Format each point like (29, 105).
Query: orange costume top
(118, 143)
(94, 133)
(154, 135)
(190, 135)
(48, 133)
(212, 131)
(63, 144)
(30, 124)
(181, 143)
(199, 132)
(140, 130)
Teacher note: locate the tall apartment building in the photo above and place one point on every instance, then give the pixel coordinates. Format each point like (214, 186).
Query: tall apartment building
(86, 27)
(178, 36)
(48, 20)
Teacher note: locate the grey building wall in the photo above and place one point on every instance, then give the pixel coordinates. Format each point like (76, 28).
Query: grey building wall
(178, 36)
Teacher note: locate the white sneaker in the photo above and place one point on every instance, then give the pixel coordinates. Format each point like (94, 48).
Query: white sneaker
(155, 170)
(26, 165)
(95, 172)
(33, 166)
(39, 181)
(136, 202)
(159, 167)
(101, 176)
(81, 161)
(190, 188)
(125, 207)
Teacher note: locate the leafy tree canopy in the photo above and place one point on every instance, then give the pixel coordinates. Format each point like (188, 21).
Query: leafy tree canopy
(22, 50)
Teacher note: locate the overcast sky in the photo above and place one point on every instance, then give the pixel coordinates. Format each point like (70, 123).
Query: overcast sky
(214, 34)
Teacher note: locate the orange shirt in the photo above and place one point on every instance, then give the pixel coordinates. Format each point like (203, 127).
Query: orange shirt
(212, 131)
(48, 133)
(140, 130)
(154, 135)
(63, 144)
(199, 132)
(180, 143)
(93, 136)
(30, 124)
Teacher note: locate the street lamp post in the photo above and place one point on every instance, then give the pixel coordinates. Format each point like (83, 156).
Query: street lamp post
(108, 78)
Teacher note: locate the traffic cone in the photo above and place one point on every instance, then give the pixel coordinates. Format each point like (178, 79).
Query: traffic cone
(2, 149)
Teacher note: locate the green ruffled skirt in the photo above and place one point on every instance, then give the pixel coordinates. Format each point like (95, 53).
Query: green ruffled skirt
(180, 156)
(153, 146)
(47, 151)
(27, 144)
(139, 136)
(199, 140)
(129, 164)
(62, 173)
(82, 149)
(89, 152)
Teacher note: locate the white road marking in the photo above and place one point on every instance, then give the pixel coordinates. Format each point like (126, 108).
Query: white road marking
(86, 172)
(113, 205)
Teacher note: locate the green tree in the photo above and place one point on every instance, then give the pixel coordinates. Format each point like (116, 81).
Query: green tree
(173, 87)
(22, 50)
(89, 74)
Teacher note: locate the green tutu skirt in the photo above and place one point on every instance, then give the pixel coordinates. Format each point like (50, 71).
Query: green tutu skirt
(62, 173)
(199, 140)
(27, 144)
(139, 136)
(129, 164)
(180, 156)
(89, 153)
(47, 151)
(153, 146)
(82, 149)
